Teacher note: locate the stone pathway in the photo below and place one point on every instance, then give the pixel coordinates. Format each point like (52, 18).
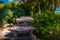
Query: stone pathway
(4, 32)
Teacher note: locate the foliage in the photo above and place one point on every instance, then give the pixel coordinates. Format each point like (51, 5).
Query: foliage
(25, 7)
(2, 17)
(41, 5)
(18, 12)
(9, 16)
(34, 6)
(11, 4)
(6, 16)
(2, 5)
(48, 26)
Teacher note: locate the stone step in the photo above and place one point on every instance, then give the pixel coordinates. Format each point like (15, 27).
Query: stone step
(24, 21)
(3, 38)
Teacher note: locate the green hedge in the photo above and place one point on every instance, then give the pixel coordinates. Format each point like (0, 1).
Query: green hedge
(48, 26)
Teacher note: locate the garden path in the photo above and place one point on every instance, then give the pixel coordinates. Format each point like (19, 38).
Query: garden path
(6, 31)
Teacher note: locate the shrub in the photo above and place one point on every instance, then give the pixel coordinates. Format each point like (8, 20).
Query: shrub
(6, 16)
(2, 17)
(9, 16)
(18, 12)
(48, 26)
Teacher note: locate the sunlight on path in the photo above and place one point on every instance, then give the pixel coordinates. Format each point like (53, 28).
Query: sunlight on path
(4, 32)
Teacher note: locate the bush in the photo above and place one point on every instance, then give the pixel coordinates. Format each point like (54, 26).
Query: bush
(48, 26)
(2, 17)
(18, 12)
(9, 16)
(6, 16)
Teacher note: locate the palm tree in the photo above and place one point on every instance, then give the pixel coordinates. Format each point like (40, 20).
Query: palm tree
(41, 5)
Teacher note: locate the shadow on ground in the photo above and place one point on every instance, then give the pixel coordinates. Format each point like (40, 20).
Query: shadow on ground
(13, 36)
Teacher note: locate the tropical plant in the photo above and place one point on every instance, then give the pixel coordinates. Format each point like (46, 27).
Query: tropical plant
(47, 25)
(9, 16)
(40, 5)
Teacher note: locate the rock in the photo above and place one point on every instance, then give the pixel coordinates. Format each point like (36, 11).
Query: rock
(22, 33)
(22, 29)
(24, 21)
